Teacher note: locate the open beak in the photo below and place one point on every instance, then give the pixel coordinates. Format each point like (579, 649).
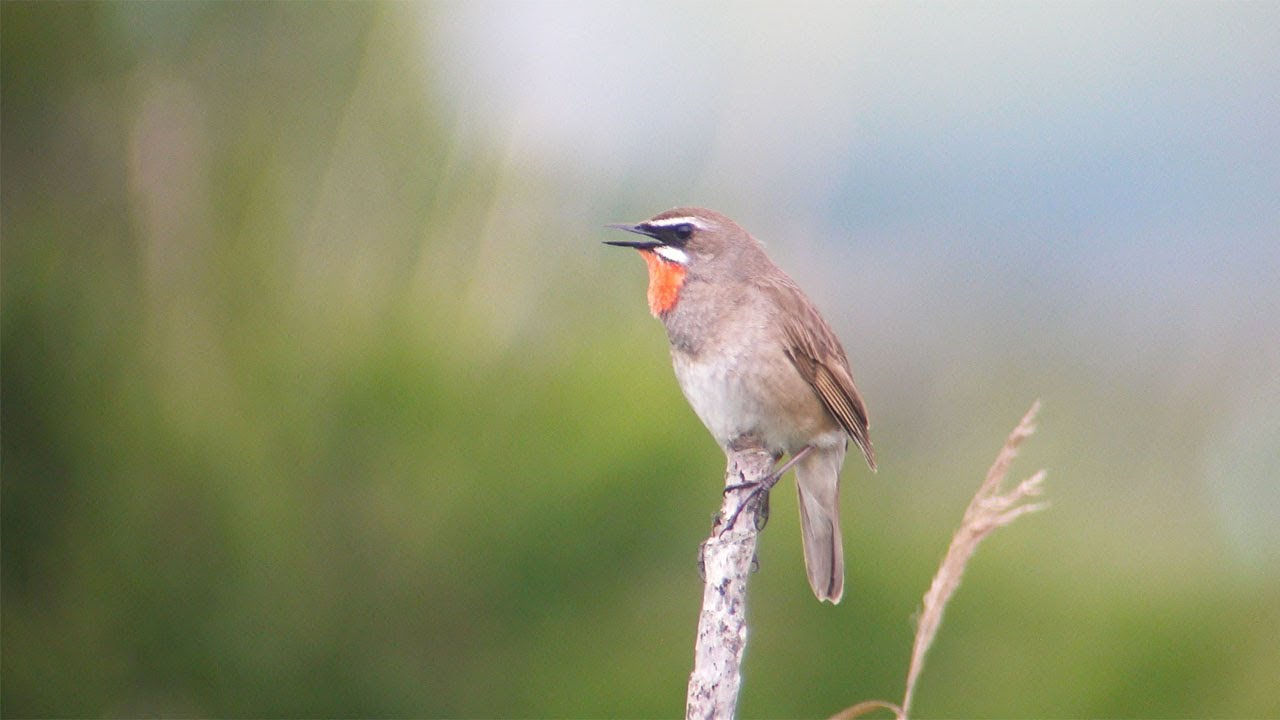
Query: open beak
(638, 244)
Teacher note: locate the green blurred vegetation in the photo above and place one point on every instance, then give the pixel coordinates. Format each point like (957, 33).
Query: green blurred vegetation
(257, 460)
(294, 425)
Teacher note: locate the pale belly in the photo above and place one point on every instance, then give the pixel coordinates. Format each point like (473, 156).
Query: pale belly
(763, 397)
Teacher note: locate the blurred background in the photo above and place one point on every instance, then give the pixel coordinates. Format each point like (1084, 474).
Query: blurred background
(321, 396)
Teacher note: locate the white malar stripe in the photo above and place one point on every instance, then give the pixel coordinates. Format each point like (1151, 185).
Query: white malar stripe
(674, 254)
(672, 222)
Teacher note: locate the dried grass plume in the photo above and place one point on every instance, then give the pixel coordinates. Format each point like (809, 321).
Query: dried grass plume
(988, 511)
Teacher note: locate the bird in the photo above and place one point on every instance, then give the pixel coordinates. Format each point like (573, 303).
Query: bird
(758, 364)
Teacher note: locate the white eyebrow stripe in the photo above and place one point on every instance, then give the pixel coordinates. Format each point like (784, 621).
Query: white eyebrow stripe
(672, 222)
(674, 254)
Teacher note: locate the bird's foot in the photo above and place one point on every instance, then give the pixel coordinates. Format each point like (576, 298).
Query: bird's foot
(757, 492)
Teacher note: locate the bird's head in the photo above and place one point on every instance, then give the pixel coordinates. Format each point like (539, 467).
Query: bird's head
(678, 242)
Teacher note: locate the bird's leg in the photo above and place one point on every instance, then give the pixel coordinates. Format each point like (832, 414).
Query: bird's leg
(759, 490)
(772, 478)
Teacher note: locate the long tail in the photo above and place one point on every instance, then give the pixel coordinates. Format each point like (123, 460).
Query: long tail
(818, 484)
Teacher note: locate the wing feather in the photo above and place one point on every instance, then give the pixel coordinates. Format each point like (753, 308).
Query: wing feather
(819, 358)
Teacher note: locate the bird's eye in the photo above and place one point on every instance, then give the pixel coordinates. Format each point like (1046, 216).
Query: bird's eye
(683, 231)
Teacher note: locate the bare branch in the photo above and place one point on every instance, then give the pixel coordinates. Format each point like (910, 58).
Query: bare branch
(727, 559)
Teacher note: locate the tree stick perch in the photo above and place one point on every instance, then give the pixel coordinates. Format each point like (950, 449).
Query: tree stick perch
(727, 559)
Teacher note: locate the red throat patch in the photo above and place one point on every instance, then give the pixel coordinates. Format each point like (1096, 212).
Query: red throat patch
(665, 281)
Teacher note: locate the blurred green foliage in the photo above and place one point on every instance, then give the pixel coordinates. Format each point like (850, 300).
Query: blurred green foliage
(289, 429)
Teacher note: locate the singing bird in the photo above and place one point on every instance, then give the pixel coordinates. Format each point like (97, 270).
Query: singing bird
(758, 363)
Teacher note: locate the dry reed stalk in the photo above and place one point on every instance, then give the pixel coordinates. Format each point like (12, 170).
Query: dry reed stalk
(988, 511)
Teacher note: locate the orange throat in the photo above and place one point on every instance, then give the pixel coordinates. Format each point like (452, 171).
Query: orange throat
(665, 281)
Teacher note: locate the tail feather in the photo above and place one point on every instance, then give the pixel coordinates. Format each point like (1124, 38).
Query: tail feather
(818, 484)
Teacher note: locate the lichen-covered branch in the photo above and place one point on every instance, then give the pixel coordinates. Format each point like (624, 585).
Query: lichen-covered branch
(727, 559)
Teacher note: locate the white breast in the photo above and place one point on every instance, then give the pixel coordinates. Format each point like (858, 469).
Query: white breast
(754, 390)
